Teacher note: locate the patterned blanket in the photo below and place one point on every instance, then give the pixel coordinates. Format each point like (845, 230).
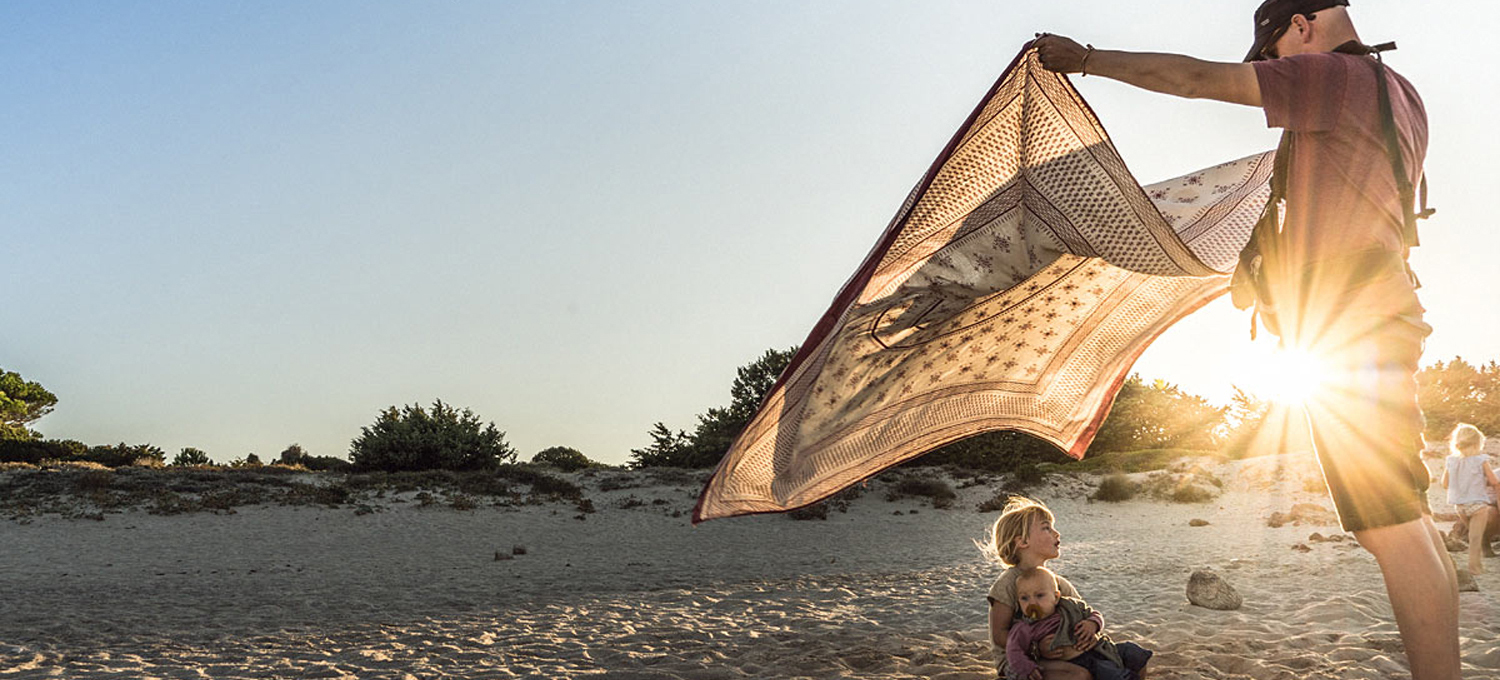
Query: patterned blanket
(1014, 289)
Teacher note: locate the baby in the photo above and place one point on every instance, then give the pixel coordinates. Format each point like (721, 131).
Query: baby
(1045, 611)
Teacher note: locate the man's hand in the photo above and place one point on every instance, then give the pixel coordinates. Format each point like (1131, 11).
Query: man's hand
(1087, 635)
(1172, 74)
(1060, 54)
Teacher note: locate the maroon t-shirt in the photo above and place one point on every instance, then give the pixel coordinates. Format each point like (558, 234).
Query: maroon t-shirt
(1342, 198)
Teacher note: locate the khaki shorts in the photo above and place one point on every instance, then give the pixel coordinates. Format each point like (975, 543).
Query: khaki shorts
(1367, 427)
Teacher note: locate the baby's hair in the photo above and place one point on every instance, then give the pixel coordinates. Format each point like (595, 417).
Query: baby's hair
(1038, 572)
(1011, 527)
(1466, 440)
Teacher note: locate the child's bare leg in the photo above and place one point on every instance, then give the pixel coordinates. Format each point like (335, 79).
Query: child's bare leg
(1477, 522)
(1423, 589)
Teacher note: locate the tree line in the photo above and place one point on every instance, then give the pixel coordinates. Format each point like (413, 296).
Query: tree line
(1146, 415)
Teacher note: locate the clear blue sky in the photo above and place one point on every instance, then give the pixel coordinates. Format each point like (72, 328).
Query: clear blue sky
(238, 225)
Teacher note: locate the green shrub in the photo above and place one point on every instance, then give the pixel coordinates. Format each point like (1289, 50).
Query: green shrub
(444, 438)
(121, 455)
(484, 483)
(542, 484)
(718, 427)
(819, 510)
(1115, 488)
(190, 456)
(331, 495)
(250, 460)
(936, 490)
(293, 455)
(326, 464)
(1159, 415)
(564, 458)
(1027, 475)
(1133, 461)
(296, 456)
(35, 451)
(998, 452)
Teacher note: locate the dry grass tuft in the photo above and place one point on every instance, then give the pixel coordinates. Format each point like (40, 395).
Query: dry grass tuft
(1115, 488)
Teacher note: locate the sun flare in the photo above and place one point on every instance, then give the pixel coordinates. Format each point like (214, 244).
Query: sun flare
(1289, 377)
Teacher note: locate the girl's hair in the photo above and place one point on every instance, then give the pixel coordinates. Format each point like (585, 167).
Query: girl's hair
(1010, 528)
(1466, 440)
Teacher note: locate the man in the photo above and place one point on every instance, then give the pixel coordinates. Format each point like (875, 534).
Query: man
(1342, 289)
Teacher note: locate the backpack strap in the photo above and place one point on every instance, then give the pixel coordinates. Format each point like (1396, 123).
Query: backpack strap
(1409, 213)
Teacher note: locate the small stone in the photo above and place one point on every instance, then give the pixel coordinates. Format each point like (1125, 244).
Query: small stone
(898, 512)
(500, 556)
(1301, 547)
(1312, 513)
(1309, 513)
(1198, 523)
(518, 550)
(1209, 590)
(1316, 537)
(1466, 582)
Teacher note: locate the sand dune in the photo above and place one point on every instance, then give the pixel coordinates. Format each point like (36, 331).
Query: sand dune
(633, 592)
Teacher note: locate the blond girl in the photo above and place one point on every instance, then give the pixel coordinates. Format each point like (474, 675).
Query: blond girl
(1022, 539)
(1470, 482)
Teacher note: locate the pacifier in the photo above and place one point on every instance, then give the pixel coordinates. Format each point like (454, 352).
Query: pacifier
(1033, 611)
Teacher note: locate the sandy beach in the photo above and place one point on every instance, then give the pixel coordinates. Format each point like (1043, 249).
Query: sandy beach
(886, 589)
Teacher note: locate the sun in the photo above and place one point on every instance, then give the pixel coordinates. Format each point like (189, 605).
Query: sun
(1296, 376)
(1289, 377)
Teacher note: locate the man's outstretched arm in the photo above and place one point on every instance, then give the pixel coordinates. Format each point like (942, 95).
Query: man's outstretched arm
(1172, 74)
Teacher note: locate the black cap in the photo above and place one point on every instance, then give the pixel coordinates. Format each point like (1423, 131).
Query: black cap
(1275, 15)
